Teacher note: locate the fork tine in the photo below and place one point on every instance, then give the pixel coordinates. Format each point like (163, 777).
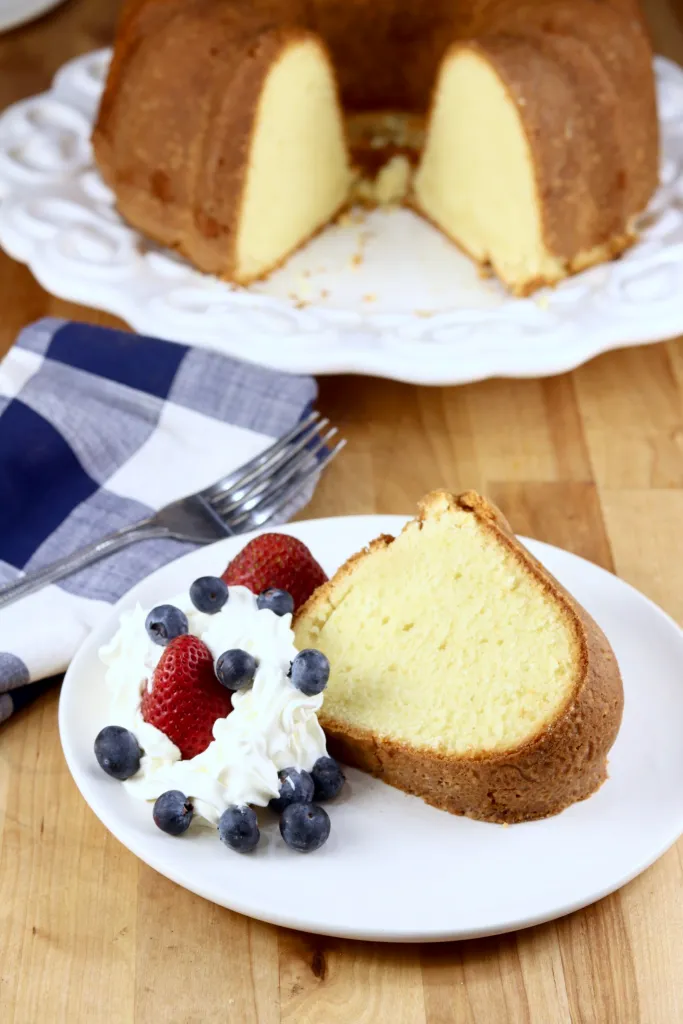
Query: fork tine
(273, 502)
(258, 517)
(300, 456)
(247, 499)
(252, 480)
(243, 472)
(258, 478)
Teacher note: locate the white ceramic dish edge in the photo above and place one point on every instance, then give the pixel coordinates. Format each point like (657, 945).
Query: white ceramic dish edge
(57, 216)
(14, 13)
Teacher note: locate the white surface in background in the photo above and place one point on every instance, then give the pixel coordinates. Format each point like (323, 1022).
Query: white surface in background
(16, 12)
(414, 308)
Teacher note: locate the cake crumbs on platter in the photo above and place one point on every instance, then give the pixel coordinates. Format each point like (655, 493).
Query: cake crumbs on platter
(362, 240)
(370, 297)
(324, 293)
(349, 218)
(424, 314)
(543, 301)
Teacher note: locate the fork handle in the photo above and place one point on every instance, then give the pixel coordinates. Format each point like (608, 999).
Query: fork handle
(72, 563)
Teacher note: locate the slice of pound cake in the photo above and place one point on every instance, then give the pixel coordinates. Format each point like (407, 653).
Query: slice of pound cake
(462, 671)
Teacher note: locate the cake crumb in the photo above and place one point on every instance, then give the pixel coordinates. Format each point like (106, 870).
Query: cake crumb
(424, 313)
(350, 217)
(302, 304)
(370, 297)
(324, 293)
(362, 240)
(543, 302)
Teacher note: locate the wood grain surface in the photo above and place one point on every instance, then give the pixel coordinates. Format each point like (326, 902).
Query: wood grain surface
(592, 461)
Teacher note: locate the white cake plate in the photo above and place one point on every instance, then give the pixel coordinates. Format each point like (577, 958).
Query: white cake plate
(14, 13)
(387, 296)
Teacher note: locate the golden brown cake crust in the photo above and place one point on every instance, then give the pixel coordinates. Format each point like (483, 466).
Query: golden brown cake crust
(176, 156)
(617, 83)
(175, 124)
(564, 763)
(616, 247)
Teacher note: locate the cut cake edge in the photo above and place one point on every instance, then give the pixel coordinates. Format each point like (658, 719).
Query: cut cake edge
(564, 762)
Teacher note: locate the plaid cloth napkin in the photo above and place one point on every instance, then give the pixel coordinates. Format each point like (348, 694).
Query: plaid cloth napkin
(97, 429)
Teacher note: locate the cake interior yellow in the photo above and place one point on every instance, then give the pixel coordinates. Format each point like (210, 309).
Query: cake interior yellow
(444, 640)
(299, 174)
(462, 671)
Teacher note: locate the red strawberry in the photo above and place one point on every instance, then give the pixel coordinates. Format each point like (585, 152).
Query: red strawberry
(275, 560)
(186, 698)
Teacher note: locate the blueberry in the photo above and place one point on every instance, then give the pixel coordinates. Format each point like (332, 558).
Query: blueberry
(165, 622)
(238, 829)
(173, 812)
(328, 778)
(236, 669)
(310, 671)
(117, 751)
(278, 601)
(209, 594)
(305, 827)
(295, 788)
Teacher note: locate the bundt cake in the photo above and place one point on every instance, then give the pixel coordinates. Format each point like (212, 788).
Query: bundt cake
(462, 672)
(526, 130)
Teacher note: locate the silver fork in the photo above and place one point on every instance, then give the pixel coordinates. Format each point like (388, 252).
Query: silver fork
(241, 501)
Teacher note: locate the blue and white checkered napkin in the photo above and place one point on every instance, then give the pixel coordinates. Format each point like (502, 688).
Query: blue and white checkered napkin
(98, 428)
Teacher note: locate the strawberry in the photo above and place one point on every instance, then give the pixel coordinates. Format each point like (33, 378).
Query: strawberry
(275, 560)
(186, 698)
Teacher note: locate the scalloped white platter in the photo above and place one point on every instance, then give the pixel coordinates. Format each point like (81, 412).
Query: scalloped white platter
(383, 293)
(395, 869)
(14, 13)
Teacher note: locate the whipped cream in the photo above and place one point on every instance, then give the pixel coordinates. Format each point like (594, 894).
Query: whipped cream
(272, 726)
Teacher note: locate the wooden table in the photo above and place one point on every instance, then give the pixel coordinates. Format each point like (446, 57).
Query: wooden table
(592, 461)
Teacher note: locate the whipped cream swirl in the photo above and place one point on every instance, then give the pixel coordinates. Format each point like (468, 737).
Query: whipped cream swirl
(272, 726)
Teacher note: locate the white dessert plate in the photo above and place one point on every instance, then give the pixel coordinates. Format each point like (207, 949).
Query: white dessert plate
(395, 869)
(389, 296)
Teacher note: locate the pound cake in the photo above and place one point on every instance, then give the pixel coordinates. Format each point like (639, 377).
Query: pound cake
(526, 130)
(462, 671)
